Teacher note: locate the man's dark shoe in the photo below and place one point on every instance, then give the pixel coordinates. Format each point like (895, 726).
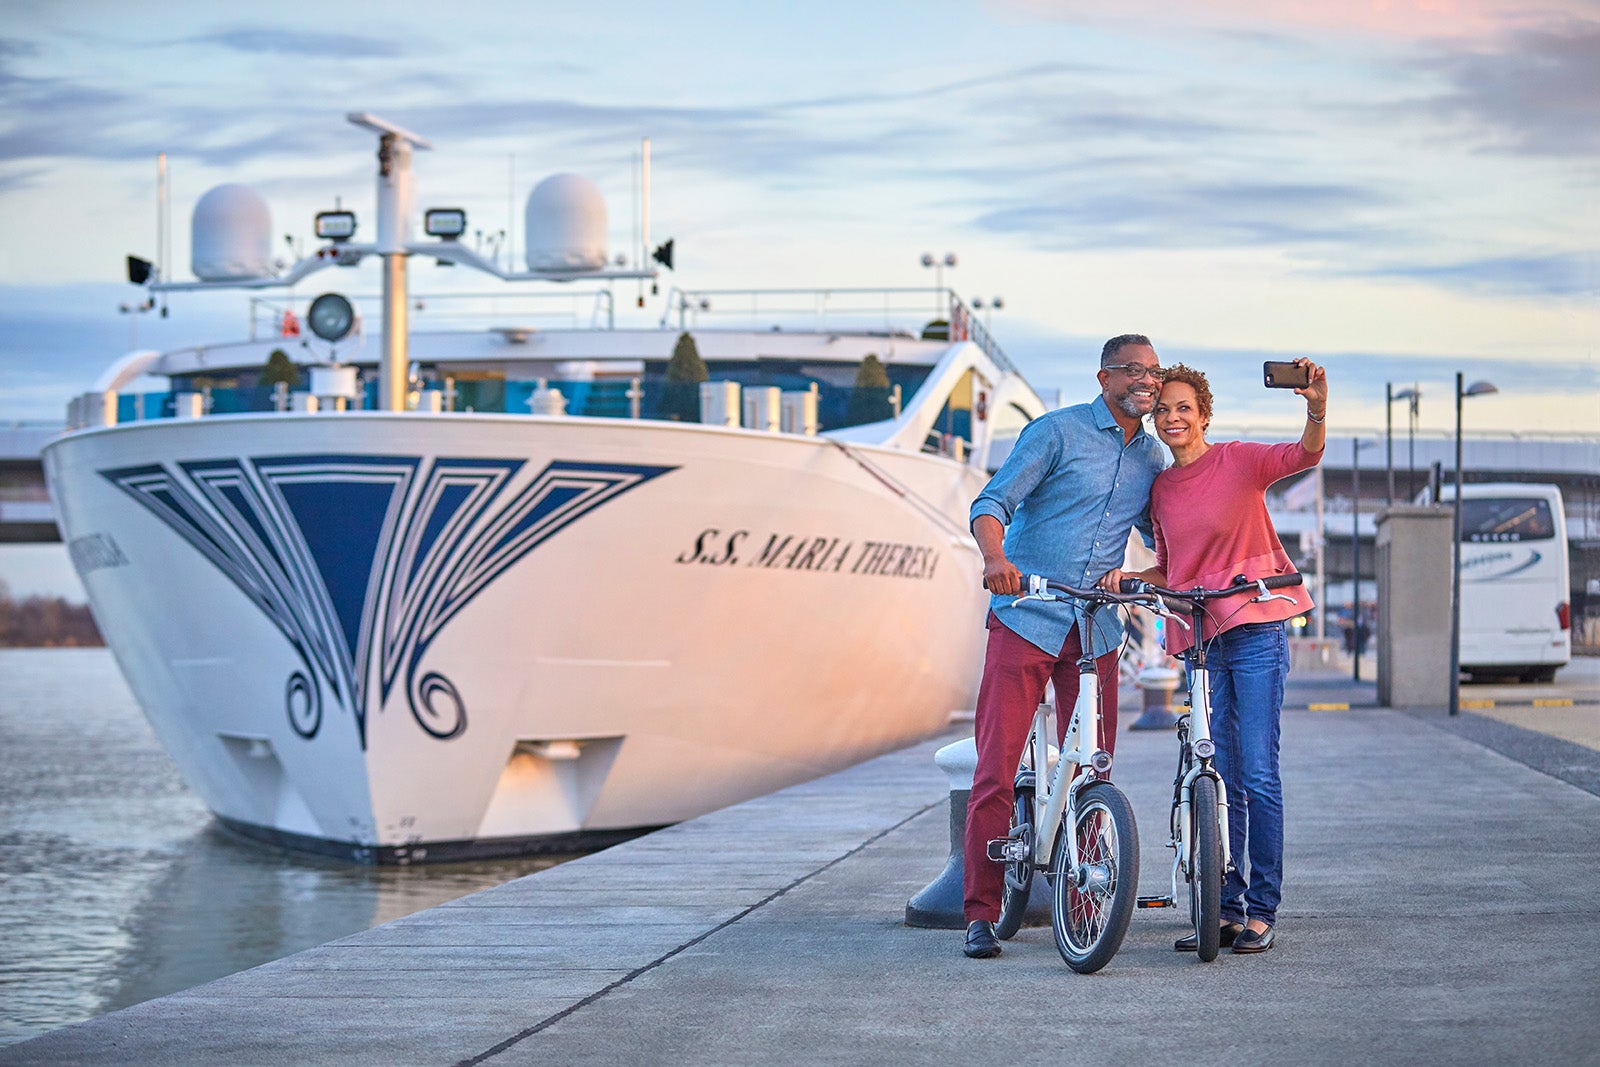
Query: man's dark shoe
(1191, 942)
(981, 942)
(1250, 941)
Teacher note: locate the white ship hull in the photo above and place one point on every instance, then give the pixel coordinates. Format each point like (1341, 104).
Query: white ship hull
(410, 636)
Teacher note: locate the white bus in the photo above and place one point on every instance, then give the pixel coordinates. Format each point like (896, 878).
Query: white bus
(1516, 614)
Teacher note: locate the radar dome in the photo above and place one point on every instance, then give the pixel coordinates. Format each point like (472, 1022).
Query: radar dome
(231, 238)
(566, 224)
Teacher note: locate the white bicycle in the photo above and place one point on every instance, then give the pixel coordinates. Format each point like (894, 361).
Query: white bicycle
(1072, 823)
(1199, 819)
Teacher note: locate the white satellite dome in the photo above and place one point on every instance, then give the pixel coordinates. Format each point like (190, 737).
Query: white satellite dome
(231, 237)
(566, 224)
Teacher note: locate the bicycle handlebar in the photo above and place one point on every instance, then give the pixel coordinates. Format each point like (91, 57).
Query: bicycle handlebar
(1039, 587)
(1197, 595)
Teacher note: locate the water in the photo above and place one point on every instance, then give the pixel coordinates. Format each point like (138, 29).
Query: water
(116, 886)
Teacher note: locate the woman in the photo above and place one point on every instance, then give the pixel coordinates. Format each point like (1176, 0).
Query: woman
(1211, 525)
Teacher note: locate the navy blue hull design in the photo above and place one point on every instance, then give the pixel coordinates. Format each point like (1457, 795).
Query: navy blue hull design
(361, 561)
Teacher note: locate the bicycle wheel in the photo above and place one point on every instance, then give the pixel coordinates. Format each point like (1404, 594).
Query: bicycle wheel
(1091, 919)
(1205, 869)
(1019, 875)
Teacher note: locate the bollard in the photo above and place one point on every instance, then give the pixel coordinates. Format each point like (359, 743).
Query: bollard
(1157, 684)
(939, 906)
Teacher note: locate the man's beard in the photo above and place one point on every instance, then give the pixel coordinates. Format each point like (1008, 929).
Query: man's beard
(1130, 407)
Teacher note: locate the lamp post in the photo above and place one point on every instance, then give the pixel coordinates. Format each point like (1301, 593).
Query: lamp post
(1389, 397)
(938, 265)
(1475, 389)
(1356, 445)
(997, 304)
(135, 310)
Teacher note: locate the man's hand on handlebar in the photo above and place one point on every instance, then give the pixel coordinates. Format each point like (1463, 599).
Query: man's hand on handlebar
(1001, 578)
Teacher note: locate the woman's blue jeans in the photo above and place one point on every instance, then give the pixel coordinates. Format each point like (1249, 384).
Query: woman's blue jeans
(1248, 666)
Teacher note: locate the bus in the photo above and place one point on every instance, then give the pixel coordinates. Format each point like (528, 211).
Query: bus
(1516, 611)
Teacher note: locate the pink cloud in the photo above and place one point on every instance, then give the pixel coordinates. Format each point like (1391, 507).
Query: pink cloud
(1399, 19)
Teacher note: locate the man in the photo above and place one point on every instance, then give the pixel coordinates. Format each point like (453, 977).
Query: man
(1062, 505)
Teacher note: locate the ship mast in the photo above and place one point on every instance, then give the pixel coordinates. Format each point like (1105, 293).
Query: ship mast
(397, 195)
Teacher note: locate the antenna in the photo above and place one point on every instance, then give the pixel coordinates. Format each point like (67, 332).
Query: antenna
(644, 206)
(163, 226)
(638, 245)
(382, 126)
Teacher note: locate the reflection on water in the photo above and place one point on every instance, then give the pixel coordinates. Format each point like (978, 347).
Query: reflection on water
(115, 883)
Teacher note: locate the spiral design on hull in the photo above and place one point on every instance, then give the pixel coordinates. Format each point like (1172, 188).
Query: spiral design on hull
(303, 702)
(362, 560)
(437, 706)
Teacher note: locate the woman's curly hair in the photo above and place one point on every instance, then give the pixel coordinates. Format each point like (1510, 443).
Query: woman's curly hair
(1195, 380)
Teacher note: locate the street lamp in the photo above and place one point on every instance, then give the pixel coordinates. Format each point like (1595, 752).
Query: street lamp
(1390, 396)
(996, 304)
(135, 310)
(1475, 389)
(938, 265)
(1356, 445)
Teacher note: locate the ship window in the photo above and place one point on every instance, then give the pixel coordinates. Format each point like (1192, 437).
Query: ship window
(955, 418)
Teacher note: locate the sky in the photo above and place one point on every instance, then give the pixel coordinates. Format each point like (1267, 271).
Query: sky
(1401, 189)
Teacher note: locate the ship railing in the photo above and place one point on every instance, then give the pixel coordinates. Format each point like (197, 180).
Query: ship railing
(614, 396)
(819, 310)
(595, 309)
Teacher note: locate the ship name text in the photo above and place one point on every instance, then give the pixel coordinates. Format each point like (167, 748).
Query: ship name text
(802, 552)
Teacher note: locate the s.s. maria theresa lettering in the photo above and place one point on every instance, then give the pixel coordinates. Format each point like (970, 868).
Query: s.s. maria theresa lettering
(720, 547)
(361, 561)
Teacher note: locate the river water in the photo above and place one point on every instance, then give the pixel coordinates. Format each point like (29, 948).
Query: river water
(116, 885)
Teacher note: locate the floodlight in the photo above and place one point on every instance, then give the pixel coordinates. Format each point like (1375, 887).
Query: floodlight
(331, 317)
(444, 222)
(336, 225)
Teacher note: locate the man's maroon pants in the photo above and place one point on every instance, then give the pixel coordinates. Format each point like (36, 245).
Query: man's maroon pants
(1014, 675)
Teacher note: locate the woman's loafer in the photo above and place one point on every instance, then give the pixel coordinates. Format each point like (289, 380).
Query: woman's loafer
(1250, 941)
(1191, 942)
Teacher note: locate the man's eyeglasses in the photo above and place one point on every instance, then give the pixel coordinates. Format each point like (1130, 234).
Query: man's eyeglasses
(1138, 370)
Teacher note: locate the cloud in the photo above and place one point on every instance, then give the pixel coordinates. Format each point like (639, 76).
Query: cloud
(270, 40)
(1537, 93)
(1149, 215)
(1556, 275)
(1390, 19)
(22, 179)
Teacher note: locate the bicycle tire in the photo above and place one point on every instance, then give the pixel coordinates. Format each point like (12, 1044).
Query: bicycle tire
(1090, 921)
(1205, 869)
(1018, 875)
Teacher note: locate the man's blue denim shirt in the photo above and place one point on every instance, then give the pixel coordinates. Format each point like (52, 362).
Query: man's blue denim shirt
(1067, 496)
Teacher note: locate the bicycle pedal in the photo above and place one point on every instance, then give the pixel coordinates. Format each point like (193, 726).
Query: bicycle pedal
(1156, 902)
(1007, 850)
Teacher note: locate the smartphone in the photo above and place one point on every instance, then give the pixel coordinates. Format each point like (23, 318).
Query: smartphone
(1279, 375)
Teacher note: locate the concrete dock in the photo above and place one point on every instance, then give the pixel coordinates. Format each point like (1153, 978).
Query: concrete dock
(1437, 909)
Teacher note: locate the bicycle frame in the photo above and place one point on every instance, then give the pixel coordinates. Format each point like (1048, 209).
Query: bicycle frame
(1081, 762)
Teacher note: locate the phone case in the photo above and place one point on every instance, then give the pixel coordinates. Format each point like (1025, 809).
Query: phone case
(1277, 375)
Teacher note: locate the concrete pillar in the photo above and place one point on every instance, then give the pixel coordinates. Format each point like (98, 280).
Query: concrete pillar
(939, 905)
(1414, 606)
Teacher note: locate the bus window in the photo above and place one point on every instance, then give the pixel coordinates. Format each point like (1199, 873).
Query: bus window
(1490, 519)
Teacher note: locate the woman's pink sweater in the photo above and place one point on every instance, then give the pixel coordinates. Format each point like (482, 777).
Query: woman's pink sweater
(1211, 525)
